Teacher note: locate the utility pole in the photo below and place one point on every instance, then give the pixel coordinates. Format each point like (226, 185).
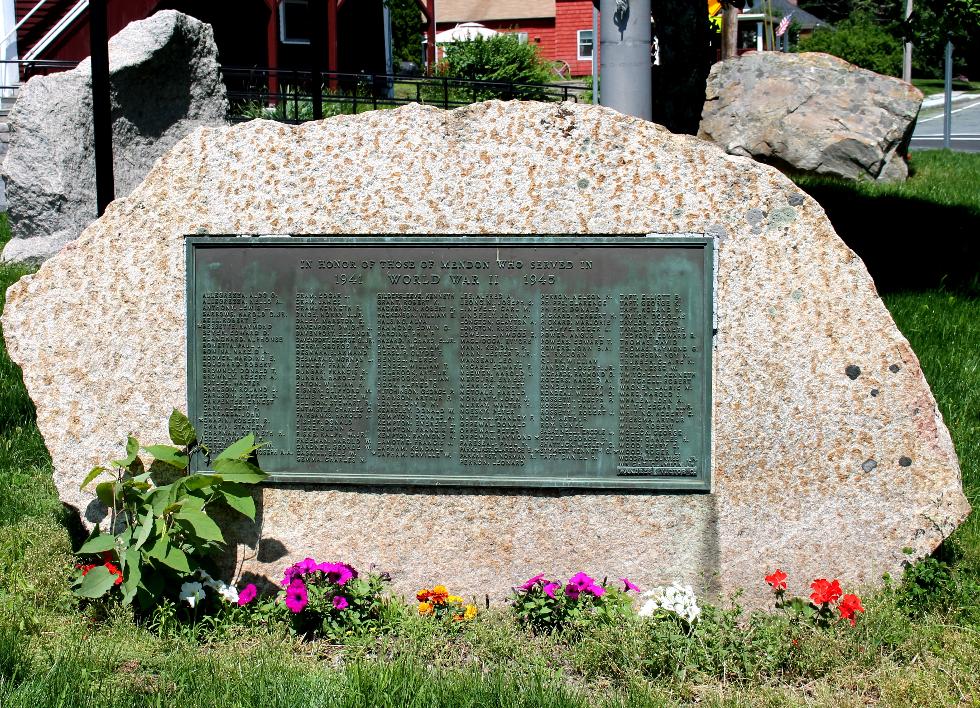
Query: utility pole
(948, 96)
(624, 57)
(595, 52)
(907, 52)
(98, 25)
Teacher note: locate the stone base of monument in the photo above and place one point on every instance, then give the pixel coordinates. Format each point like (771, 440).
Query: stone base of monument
(828, 455)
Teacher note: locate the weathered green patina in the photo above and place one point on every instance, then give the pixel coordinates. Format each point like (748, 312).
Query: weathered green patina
(546, 361)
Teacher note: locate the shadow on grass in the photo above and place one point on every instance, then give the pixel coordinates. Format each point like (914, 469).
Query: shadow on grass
(908, 244)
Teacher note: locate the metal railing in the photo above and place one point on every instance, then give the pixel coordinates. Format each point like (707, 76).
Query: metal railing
(287, 95)
(26, 68)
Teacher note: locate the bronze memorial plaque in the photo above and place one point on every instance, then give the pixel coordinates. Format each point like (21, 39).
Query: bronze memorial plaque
(545, 361)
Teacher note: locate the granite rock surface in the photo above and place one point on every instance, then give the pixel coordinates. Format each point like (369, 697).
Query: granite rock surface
(811, 112)
(829, 454)
(165, 82)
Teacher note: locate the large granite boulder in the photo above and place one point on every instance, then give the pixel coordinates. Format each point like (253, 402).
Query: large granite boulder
(830, 457)
(811, 113)
(165, 83)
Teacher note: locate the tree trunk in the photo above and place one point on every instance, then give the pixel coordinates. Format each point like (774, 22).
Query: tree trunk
(729, 31)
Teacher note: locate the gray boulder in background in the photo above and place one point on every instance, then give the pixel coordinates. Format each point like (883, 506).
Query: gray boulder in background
(811, 112)
(165, 82)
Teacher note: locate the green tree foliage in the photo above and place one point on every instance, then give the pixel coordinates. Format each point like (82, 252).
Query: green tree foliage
(498, 58)
(407, 28)
(933, 22)
(861, 40)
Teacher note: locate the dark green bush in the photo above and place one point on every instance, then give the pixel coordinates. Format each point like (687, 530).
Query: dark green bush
(859, 40)
(498, 58)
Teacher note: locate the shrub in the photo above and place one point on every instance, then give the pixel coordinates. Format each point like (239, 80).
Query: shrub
(859, 40)
(498, 58)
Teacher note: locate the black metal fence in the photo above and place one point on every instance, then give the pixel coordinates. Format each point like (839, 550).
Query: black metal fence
(30, 67)
(288, 94)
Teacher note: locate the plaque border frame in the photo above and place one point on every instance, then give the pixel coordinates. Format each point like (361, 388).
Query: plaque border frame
(622, 484)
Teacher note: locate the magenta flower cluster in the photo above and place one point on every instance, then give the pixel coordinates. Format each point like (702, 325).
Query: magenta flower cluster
(578, 584)
(307, 571)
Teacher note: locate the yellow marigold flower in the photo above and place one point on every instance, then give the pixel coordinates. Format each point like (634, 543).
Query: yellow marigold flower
(440, 590)
(470, 612)
(455, 598)
(425, 608)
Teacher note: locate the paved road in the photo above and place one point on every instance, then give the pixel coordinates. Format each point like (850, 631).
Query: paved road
(966, 128)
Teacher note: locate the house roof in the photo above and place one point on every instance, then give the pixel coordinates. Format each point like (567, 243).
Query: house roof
(482, 10)
(781, 8)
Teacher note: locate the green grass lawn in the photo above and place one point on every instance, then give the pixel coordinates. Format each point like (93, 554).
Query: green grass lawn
(934, 86)
(918, 644)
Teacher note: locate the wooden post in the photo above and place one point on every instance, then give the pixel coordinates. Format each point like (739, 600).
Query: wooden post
(317, 21)
(101, 104)
(332, 44)
(729, 31)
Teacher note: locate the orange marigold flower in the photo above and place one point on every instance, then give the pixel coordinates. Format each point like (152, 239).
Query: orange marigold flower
(777, 580)
(439, 594)
(423, 594)
(425, 608)
(850, 604)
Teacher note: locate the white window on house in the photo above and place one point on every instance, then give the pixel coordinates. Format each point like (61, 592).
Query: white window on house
(521, 36)
(294, 21)
(585, 45)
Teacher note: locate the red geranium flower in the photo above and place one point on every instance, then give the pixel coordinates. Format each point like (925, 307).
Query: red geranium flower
(824, 591)
(850, 604)
(777, 580)
(115, 571)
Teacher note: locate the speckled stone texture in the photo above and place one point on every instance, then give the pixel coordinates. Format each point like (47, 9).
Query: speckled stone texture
(830, 455)
(811, 112)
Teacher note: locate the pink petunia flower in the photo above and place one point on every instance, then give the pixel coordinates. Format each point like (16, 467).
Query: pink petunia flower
(627, 585)
(549, 589)
(296, 596)
(247, 594)
(531, 582)
(340, 602)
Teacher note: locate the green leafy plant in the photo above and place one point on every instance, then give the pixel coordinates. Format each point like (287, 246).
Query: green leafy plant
(861, 41)
(161, 526)
(549, 606)
(501, 58)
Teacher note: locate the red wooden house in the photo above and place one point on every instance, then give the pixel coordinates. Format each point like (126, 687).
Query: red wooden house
(561, 29)
(249, 33)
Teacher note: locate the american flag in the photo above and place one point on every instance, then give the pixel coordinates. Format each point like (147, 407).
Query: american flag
(783, 25)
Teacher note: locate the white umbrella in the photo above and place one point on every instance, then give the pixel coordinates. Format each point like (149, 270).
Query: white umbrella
(464, 33)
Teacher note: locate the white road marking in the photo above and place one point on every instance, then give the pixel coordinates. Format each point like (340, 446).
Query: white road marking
(957, 110)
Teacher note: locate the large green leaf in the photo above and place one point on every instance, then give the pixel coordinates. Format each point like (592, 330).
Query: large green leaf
(170, 555)
(132, 449)
(132, 574)
(168, 455)
(181, 430)
(239, 497)
(143, 531)
(199, 480)
(98, 544)
(96, 471)
(239, 471)
(238, 449)
(161, 498)
(106, 492)
(96, 582)
(202, 524)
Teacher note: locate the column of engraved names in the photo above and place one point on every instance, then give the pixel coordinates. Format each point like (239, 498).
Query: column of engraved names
(577, 391)
(655, 386)
(239, 374)
(495, 333)
(415, 413)
(332, 400)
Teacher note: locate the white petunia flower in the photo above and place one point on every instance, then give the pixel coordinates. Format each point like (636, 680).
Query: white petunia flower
(192, 593)
(676, 598)
(228, 592)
